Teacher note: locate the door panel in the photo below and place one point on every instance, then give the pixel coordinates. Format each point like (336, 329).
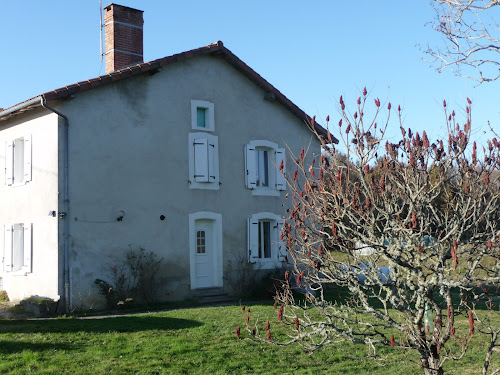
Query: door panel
(204, 253)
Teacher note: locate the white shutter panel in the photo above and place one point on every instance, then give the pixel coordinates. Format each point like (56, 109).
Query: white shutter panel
(9, 162)
(200, 159)
(27, 158)
(250, 167)
(280, 246)
(7, 249)
(280, 178)
(27, 248)
(211, 161)
(253, 240)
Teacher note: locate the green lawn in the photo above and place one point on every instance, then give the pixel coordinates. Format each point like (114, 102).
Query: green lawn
(187, 341)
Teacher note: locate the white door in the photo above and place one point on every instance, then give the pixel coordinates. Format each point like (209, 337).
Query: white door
(204, 253)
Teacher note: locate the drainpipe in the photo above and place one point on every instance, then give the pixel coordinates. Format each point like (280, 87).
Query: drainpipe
(65, 215)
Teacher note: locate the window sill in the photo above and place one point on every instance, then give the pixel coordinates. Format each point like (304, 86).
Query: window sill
(204, 185)
(18, 273)
(19, 184)
(266, 192)
(204, 129)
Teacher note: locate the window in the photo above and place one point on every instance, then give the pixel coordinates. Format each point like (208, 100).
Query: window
(200, 242)
(262, 167)
(17, 248)
(264, 244)
(202, 115)
(18, 161)
(262, 162)
(203, 161)
(264, 248)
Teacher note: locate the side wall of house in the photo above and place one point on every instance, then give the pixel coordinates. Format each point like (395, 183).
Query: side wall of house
(129, 165)
(30, 261)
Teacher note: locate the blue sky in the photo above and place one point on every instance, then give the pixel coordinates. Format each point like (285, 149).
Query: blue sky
(313, 52)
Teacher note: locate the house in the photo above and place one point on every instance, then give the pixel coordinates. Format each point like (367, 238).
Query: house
(178, 155)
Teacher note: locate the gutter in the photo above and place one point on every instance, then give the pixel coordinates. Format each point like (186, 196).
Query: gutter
(64, 215)
(20, 106)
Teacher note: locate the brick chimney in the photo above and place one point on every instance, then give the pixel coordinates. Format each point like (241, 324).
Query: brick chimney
(123, 36)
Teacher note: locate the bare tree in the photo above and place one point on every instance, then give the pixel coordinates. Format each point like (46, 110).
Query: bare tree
(471, 38)
(411, 230)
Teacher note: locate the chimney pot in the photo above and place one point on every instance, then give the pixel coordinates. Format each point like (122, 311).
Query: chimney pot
(123, 37)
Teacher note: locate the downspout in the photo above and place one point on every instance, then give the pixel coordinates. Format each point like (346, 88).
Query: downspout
(65, 214)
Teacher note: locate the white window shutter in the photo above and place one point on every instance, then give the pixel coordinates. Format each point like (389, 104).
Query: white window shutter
(212, 149)
(27, 248)
(250, 167)
(27, 158)
(280, 246)
(201, 160)
(253, 240)
(280, 177)
(9, 162)
(7, 249)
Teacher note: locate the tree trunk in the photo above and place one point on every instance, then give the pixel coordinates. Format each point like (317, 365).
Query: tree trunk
(431, 366)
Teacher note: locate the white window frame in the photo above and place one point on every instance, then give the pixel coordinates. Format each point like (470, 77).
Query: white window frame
(11, 250)
(12, 162)
(209, 145)
(278, 251)
(276, 180)
(209, 115)
(217, 245)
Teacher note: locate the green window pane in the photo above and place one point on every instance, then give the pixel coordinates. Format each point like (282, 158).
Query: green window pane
(201, 117)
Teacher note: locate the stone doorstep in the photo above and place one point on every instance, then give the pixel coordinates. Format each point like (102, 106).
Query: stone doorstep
(212, 296)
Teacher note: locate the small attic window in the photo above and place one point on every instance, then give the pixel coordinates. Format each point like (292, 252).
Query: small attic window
(202, 115)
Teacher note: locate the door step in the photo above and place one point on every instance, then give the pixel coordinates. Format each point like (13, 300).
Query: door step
(212, 296)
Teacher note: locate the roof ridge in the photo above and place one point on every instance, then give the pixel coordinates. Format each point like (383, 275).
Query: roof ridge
(216, 48)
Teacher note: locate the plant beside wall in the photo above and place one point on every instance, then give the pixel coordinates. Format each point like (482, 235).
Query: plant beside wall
(4, 296)
(130, 279)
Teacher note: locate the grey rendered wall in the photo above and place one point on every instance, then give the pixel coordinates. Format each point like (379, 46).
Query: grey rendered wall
(129, 156)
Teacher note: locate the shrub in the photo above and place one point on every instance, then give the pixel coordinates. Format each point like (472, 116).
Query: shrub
(131, 278)
(3, 296)
(410, 228)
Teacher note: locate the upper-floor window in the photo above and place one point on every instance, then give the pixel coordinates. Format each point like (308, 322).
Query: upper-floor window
(262, 168)
(203, 161)
(18, 160)
(202, 115)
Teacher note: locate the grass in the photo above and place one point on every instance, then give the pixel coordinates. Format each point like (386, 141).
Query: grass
(185, 341)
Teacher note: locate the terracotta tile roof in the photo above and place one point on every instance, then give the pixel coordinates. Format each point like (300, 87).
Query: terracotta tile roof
(215, 49)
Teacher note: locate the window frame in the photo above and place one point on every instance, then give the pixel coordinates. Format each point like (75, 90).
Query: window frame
(25, 251)
(209, 115)
(13, 164)
(276, 181)
(254, 250)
